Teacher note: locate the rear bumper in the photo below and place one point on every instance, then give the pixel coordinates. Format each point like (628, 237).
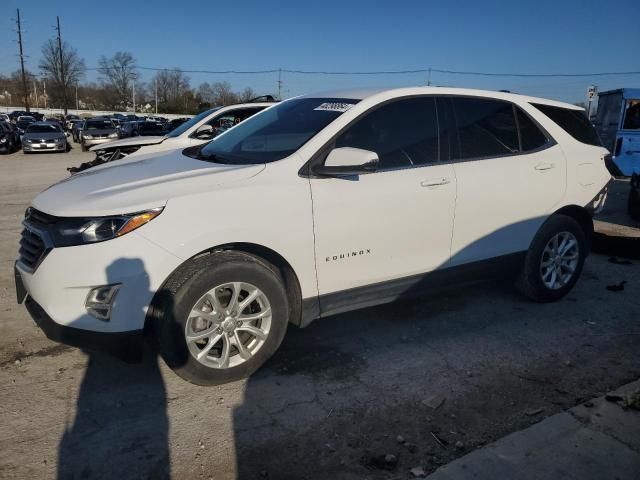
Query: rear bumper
(126, 346)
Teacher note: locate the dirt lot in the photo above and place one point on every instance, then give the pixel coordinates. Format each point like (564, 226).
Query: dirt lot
(447, 374)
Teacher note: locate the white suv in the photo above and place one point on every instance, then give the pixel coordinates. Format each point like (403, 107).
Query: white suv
(196, 131)
(318, 205)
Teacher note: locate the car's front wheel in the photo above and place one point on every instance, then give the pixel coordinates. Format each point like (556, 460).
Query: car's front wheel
(221, 317)
(554, 260)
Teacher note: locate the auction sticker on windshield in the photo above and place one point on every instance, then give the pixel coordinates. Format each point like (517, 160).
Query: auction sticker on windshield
(334, 107)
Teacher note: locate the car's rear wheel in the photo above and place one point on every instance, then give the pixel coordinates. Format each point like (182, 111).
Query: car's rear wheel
(554, 261)
(221, 317)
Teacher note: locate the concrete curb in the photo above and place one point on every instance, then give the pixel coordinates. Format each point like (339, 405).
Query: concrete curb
(596, 440)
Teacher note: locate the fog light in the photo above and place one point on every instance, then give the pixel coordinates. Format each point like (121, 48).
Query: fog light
(100, 300)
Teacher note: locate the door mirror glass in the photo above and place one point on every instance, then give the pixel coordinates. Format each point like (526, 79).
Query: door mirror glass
(205, 132)
(348, 161)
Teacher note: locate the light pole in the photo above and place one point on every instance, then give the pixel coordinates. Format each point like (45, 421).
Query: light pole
(77, 105)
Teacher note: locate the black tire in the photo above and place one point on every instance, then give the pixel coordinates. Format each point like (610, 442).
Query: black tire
(530, 282)
(181, 292)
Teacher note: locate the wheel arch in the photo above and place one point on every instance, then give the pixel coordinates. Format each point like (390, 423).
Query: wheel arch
(291, 282)
(580, 215)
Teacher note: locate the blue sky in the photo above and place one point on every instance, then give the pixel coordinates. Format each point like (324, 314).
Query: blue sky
(540, 36)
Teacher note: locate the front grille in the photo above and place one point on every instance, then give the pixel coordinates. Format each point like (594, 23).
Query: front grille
(32, 249)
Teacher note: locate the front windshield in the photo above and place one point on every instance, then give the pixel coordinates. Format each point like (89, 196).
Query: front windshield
(180, 129)
(98, 125)
(40, 128)
(276, 132)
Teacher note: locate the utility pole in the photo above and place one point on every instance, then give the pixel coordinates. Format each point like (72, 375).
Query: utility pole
(279, 83)
(44, 90)
(156, 82)
(133, 92)
(35, 93)
(25, 95)
(62, 77)
(429, 79)
(77, 104)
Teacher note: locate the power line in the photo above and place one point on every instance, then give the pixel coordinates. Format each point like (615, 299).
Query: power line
(389, 72)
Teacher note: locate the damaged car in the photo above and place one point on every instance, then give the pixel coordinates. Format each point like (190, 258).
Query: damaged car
(200, 129)
(323, 204)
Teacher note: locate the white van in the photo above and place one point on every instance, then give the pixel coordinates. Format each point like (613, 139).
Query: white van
(318, 205)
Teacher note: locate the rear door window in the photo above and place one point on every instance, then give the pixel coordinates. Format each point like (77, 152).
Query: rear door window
(531, 137)
(404, 133)
(574, 122)
(486, 127)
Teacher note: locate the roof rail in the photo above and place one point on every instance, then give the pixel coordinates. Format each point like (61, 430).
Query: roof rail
(262, 98)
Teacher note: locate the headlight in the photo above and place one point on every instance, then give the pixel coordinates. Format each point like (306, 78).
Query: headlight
(80, 231)
(27, 140)
(59, 140)
(86, 135)
(113, 135)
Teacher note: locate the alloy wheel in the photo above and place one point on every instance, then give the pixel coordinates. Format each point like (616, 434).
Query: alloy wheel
(228, 325)
(559, 260)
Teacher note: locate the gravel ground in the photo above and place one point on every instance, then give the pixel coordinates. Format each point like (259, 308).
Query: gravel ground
(368, 394)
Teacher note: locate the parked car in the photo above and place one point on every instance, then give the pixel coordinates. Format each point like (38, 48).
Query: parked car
(9, 137)
(76, 129)
(71, 123)
(149, 129)
(128, 129)
(4, 117)
(69, 119)
(323, 204)
(96, 131)
(618, 124)
(22, 124)
(175, 123)
(200, 129)
(26, 118)
(17, 113)
(44, 137)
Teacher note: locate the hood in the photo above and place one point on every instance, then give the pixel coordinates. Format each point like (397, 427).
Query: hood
(139, 184)
(129, 142)
(43, 136)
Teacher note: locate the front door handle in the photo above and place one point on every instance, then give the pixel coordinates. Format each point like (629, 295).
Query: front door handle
(544, 166)
(434, 182)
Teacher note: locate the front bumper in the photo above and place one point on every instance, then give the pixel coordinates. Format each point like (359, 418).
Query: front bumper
(60, 284)
(126, 346)
(90, 142)
(43, 147)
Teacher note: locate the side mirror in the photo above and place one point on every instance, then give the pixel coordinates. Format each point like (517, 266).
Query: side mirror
(347, 161)
(204, 132)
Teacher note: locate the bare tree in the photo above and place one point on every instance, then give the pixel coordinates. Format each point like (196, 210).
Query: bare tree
(247, 94)
(119, 72)
(174, 90)
(50, 66)
(222, 94)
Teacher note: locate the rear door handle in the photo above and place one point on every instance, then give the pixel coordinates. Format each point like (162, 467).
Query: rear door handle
(434, 182)
(544, 166)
